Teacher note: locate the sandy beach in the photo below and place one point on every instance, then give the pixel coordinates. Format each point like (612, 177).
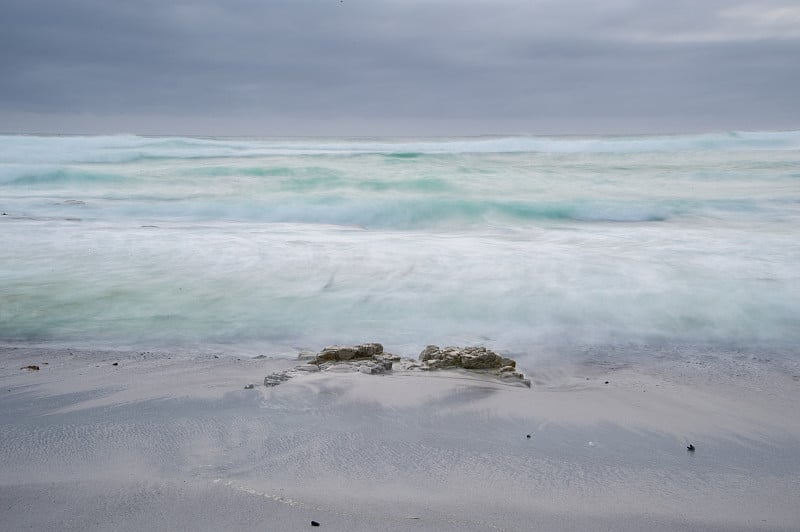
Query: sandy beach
(400, 266)
(109, 440)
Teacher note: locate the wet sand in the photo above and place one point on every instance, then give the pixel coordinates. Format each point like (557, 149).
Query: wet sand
(170, 441)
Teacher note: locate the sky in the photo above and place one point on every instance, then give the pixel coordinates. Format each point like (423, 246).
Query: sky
(398, 67)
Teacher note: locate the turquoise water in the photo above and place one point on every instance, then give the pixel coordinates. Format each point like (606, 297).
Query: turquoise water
(519, 243)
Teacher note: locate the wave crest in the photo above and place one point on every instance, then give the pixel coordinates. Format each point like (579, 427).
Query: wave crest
(130, 148)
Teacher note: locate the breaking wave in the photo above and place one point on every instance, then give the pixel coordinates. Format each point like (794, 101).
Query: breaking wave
(511, 241)
(406, 213)
(130, 148)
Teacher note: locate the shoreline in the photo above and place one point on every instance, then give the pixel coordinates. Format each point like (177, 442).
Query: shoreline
(162, 439)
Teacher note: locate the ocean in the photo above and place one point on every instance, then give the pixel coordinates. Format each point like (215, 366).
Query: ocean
(528, 245)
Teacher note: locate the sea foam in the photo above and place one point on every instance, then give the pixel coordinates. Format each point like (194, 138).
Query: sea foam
(511, 242)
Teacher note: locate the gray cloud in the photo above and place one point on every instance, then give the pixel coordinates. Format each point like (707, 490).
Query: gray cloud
(392, 67)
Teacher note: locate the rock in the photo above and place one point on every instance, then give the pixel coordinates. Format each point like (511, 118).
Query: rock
(31, 368)
(249, 386)
(433, 364)
(371, 369)
(467, 358)
(432, 351)
(472, 358)
(348, 352)
(480, 359)
(314, 523)
(115, 364)
(276, 378)
(369, 350)
(336, 352)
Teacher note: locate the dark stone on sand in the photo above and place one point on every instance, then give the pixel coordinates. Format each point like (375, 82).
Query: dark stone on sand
(335, 353)
(339, 353)
(605, 382)
(314, 523)
(464, 357)
(275, 379)
(528, 436)
(371, 359)
(115, 364)
(31, 368)
(473, 358)
(690, 447)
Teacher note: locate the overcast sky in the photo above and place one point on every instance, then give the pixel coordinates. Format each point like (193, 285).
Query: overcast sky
(398, 67)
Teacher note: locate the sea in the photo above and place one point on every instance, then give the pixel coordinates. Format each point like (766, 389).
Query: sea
(529, 245)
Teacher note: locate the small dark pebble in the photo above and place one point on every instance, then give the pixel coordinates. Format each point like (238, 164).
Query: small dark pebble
(115, 364)
(605, 382)
(31, 368)
(690, 447)
(314, 523)
(528, 436)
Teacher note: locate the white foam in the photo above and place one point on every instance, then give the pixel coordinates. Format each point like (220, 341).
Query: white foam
(509, 250)
(123, 148)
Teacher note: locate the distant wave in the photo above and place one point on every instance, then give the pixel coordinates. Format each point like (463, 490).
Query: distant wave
(389, 214)
(129, 148)
(18, 175)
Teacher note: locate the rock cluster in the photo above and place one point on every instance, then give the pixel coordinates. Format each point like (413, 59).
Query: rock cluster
(464, 357)
(477, 358)
(349, 352)
(366, 358)
(372, 360)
